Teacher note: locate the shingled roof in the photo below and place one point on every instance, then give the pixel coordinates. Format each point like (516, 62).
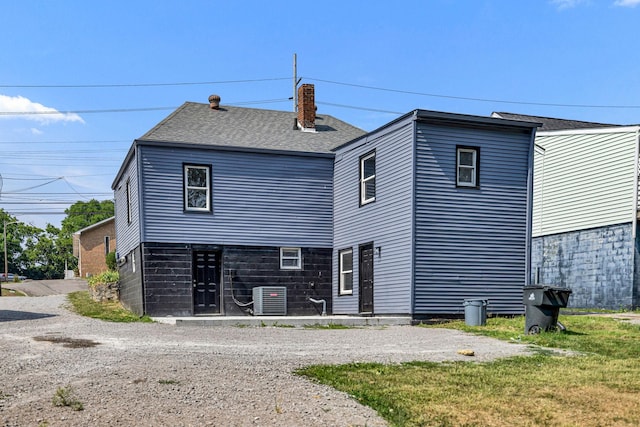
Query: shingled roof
(549, 123)
(250, 129)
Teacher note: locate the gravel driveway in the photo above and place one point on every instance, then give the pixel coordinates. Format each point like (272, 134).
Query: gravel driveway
(162, 375)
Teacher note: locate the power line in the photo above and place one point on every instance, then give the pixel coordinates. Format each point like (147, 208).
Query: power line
(89, 86)
(465, 98)
(124, 110)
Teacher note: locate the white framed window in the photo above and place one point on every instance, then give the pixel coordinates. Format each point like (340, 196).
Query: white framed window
(346, 271)
(290, 258)
(368, 178)
(197, 188)
(467, 166)
(128, 190)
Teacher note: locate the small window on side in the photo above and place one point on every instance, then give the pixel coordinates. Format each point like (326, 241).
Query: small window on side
(368, 178)
(346, 271)
(290, 259)
(128, 190)
(468, 167)
(107, 245)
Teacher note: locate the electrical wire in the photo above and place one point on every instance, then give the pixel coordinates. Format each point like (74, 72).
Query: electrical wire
(91, 86)
(465, 98)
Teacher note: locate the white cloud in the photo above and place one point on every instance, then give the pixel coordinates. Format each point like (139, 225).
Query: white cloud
(35, 131)
(626, 3)
(567, 4)
(43, 115)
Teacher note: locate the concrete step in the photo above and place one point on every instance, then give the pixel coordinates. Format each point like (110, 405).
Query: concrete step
(285, 321)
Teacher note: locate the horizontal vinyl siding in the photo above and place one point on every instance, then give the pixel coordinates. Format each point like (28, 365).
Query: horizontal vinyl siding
(127, 234)
(258, 199)
(470, 243)
(588, 181)
(387, 222)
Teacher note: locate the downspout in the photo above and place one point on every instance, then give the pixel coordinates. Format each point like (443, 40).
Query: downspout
(529, 221)
(320, 301)
(635, 185)
(634, 223)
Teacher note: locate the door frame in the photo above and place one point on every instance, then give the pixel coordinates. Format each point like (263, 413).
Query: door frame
(219, 278)
(362, 303)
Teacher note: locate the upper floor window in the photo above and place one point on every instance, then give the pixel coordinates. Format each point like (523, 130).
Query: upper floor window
(368, 178)
(197, 188)
(290, 258)
(128, 190)
(467, 166)
(346, 271)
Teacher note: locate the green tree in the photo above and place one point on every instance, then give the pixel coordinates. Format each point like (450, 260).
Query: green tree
(41, 257)
(80, 215)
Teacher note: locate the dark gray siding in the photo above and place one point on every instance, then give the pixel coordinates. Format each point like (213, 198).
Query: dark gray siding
(258, 199)
(167, 279)
(597, 264)
(470, 243)
(247, 267)
(131, 293)
(127, 233)
(387, 222)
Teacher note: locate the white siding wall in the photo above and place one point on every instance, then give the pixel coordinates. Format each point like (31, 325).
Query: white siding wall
(583, 180)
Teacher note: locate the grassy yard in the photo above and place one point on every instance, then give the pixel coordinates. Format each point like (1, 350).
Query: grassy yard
(10, 292)
(83, 304)
(600, 386)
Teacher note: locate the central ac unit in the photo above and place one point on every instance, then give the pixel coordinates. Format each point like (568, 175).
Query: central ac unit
(270, 301)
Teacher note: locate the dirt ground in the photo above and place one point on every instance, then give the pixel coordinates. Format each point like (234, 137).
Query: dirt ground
(152, 374)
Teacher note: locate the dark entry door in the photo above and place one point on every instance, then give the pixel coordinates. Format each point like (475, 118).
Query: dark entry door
(366, 278)
(206, 282)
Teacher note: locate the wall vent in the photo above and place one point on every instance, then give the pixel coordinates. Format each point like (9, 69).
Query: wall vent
(270, 301)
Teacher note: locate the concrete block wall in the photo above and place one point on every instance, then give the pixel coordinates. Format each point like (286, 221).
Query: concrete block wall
(597, 264)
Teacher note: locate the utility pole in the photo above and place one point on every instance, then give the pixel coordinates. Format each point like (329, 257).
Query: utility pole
(6, 265)
(295, 83)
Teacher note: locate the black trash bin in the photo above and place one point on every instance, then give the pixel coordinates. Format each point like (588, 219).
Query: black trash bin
(542, 305)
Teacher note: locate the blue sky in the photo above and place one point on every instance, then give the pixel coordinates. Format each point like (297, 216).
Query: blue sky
(115, 69)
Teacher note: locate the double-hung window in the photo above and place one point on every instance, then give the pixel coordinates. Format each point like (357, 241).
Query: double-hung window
(197, 188)
(467, 166)
(128, 190)
(368, 178)
(346, 271)
(290, 259)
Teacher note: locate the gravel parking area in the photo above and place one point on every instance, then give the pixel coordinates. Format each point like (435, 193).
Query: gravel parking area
(162, 375)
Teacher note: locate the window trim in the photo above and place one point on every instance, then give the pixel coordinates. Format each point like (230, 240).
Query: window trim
(363, 181)
(298, 258)
(475, 168)
(128, 191)
(186, 187)
(342, 272)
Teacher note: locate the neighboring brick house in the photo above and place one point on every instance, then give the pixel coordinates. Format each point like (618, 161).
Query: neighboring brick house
(92, 244)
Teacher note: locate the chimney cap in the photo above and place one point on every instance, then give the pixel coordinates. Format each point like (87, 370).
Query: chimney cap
(214, 101)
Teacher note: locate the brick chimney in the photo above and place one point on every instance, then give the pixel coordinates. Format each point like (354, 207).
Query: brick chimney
(306, 108)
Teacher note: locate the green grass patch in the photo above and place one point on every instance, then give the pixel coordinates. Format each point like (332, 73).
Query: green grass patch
(82, 304)
(11, 292)
(66, 396)
(599, 386)
(327, 326)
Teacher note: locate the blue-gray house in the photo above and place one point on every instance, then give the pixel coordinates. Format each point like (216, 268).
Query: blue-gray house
(432, 209)
(225, 210)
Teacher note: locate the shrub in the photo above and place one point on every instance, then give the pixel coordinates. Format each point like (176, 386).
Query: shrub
(111, 261)
(103, 278)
